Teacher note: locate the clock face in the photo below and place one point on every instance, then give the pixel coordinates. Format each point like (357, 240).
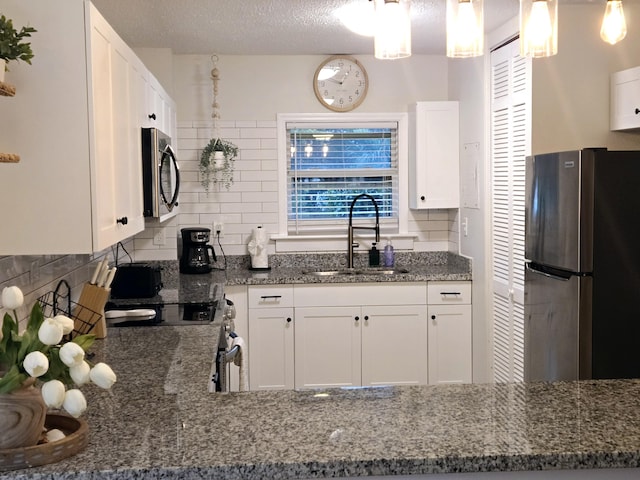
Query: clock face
(340, 83)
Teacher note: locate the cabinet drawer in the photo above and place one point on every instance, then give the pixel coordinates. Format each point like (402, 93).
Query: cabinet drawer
(270, 296)
(444, 293)
(356, 294)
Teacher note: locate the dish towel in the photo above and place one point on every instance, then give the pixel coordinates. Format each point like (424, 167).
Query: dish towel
(241, 362)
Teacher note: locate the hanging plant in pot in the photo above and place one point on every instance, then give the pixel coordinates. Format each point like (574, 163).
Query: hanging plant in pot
(12, 44)
(217, 158)
(217, 163)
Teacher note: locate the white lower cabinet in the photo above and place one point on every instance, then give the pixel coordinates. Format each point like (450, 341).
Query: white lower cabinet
(394, 345)
(327, 347)
(450, 331)
(270, 337)
(315, 336)
(360, 334)
(354, 346)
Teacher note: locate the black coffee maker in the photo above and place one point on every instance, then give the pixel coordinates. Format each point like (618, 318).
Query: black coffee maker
(197, 255)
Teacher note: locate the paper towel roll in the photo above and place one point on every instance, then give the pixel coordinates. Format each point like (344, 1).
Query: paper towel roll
(258, 248)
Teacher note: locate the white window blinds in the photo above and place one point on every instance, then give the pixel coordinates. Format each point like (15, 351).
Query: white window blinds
(329, 164)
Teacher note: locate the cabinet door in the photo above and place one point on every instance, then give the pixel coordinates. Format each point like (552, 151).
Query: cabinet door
(271, 348)
(161, 109)
(434, 152)
(327, 347)
(450, 344)
(625, 99)
(117, 201)
(394, 345)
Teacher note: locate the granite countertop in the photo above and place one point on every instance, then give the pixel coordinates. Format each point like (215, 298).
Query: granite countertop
(159, 421)
(295, 269)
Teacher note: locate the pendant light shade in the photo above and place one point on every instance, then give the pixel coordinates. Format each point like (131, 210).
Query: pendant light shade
(538, 28)
(614, 26)
(465, 28)
(393, 29)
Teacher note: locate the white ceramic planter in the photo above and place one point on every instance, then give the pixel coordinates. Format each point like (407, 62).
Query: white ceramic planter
(3, 64)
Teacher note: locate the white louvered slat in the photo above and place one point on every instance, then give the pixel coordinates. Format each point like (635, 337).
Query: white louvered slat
(510, 144)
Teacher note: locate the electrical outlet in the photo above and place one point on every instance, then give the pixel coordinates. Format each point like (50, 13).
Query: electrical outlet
(218, 227)
(159, 237)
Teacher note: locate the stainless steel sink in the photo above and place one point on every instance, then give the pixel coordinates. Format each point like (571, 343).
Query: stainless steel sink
(354, 271)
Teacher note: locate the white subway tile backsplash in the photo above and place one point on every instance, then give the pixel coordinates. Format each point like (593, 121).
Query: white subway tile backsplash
(253, 198)
(258, 133)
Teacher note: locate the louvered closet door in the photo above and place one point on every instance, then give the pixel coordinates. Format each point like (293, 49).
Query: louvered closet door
(510, 135)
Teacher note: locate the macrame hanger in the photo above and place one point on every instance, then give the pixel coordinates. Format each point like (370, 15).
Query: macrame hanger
(215, 115)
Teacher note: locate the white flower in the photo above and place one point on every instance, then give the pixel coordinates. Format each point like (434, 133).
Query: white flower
(50, 333)
(36, 364)
(74, 402)
(65, 322)
(71, 354)
(102, 375)
(54, 435)
(80, 373)
(53, 393)
(12, 298)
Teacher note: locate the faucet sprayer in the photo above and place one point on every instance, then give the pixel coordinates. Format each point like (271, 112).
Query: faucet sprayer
(351, 244)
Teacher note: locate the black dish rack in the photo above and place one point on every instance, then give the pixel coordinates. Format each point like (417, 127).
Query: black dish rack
(58, 302)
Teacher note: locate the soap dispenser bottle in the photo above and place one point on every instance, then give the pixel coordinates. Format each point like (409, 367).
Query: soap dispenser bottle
(388, 254)
(374, 256)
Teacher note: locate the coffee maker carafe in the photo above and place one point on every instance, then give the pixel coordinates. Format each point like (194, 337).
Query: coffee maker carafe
(197, 255)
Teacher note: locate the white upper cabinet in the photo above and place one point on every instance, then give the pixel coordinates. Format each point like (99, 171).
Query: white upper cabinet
(625, 99)
(161, 109)
(75, 122)
(434, 153)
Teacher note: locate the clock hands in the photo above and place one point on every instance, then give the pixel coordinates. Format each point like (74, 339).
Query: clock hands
(339, 82)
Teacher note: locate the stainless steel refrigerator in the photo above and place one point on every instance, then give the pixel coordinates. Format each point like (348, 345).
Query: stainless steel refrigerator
(582, 271)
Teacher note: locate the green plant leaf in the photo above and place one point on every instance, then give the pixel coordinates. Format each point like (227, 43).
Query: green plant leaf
(12, 44)
(36, 318)
(8, 348)
(12, 380)
(85, 341)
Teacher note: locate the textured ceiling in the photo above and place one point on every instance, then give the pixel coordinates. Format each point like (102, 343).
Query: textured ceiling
(271, 27)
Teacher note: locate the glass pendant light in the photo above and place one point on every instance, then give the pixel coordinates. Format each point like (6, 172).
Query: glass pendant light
(538, 28)
(465, 28)
(393, 29)
(614, 26)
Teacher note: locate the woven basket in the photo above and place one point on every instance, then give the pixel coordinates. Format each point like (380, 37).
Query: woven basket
(77, 437)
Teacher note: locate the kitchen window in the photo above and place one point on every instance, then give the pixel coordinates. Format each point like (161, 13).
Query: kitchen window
(331, 159)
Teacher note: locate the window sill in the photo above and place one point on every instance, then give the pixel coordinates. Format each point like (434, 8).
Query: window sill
(333, 243)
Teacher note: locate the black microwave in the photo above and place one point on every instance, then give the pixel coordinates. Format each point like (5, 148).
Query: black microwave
(160, 174)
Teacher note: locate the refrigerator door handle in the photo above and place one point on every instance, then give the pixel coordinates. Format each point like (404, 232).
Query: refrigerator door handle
(531, 268)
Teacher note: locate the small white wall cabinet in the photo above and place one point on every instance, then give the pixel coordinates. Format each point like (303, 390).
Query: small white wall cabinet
(271, 337)
(360, 334)
(74, 123)
(434, 155)
(450, 332)
(625, 99)
(161, 109)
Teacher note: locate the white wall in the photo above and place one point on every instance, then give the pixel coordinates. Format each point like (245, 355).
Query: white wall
(571, 89)
(467, 85)
(252, 91)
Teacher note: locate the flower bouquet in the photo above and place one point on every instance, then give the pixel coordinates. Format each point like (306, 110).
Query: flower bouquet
(38, 368)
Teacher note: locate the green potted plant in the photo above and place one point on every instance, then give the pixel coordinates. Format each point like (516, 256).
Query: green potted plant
(217, 162)
(12, 44)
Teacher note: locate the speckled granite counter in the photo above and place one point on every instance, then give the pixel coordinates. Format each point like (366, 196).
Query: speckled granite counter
(294, 269)
(158, 421)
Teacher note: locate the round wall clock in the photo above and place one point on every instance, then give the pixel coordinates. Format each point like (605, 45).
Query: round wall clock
(340, 83)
